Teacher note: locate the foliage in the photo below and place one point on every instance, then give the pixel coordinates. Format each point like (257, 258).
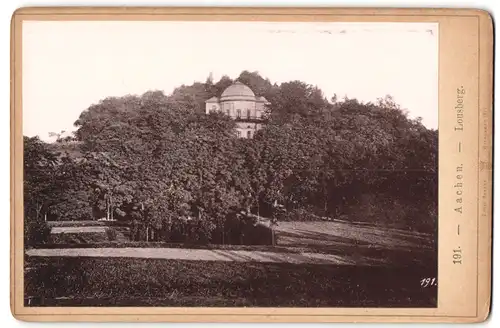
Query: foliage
(111, 234)
(158, 161)
(35, 232)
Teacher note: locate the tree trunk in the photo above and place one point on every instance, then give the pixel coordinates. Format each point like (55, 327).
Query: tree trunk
(147, 233)
(111, 208)
(107, 209)
(325, 201)
(38, 210)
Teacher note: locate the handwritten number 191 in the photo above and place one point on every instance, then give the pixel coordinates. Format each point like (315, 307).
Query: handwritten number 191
(428, 282)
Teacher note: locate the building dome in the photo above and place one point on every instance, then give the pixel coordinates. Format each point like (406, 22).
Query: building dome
(237, 91)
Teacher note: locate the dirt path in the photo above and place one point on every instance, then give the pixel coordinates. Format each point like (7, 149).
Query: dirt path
(195, 255)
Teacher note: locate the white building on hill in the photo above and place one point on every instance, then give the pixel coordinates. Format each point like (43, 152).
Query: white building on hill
(240, 103)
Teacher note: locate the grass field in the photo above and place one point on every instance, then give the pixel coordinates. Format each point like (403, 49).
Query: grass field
(151, 282)
(324, 233)
(381, 267)
(361, 244)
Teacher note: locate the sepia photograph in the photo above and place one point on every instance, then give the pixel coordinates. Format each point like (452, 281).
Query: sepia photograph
(230, 164)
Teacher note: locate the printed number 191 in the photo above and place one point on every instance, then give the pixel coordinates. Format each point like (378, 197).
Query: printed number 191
(457, 256)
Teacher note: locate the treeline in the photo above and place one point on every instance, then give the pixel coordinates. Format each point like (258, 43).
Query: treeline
(157, 160)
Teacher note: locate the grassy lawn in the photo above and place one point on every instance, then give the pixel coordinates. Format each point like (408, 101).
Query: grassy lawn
(152, 282)
(389, 265)
(362, 244)
(321, 233)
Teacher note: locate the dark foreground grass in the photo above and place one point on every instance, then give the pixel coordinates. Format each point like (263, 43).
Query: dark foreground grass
(152, 282)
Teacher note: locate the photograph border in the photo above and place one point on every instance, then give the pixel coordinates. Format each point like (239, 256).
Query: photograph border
(465, 59)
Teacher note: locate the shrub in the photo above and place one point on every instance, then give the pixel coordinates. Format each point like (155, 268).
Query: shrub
(258, 235)
(36, 232)
(111, 234)
(300, 214)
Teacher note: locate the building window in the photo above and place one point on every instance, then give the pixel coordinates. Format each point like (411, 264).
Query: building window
(214, 108)
(228, 112)
(248, 113)
(238, 133)
(249, 134)
(238, 113)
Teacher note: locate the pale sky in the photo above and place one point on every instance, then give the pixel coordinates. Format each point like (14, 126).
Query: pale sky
(68, 66)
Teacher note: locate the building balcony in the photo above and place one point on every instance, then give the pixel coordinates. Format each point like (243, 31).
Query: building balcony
(251, 119)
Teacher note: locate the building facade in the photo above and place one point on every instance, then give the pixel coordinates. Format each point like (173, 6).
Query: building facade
(240, 103)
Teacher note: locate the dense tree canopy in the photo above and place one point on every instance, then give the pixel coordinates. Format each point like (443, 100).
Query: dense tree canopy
(159, 161)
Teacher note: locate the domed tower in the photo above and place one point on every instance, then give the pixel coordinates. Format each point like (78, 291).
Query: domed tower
(240, 103)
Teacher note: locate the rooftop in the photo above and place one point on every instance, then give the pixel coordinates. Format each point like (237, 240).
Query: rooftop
(238, 91)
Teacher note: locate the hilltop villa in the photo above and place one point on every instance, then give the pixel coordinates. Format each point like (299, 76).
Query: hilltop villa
(240, 103)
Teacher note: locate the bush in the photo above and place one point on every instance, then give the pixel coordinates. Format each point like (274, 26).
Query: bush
(36, 232)
(300, 214)
(243, 230)
(111, 234)
(258, 235)
(78, 238)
